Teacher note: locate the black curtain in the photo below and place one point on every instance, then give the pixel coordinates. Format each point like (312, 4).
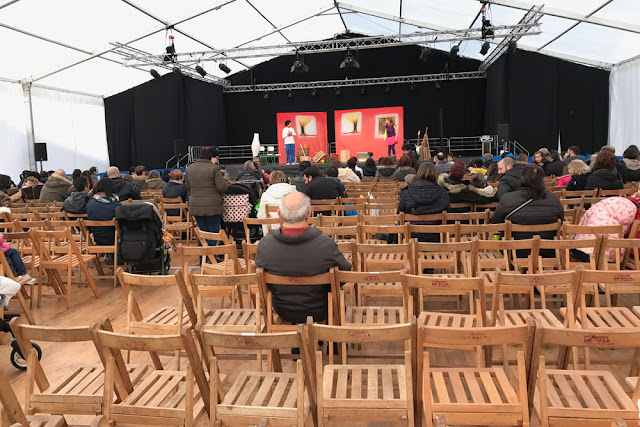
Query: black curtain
(143, 122)
(539, 96)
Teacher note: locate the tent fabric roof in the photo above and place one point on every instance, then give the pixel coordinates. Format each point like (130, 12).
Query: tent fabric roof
(66, 44)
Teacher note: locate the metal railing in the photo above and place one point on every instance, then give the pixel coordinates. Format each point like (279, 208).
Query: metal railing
(515, 147)
(230, 152)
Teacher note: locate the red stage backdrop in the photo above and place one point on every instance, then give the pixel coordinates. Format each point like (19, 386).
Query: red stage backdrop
(362, 130)
(311, 132)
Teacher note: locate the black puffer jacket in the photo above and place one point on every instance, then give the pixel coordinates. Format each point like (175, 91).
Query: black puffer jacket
(125, 190)
(461, 192)
(369, 171)
(542, 211)
(607, 179)
(385, 172)
(578, 182)
(324, 188)
(423, 198)
(555, 168)
(510, 180)
(102, 210)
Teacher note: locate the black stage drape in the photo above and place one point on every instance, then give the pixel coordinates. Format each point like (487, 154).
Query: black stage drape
(540, 96)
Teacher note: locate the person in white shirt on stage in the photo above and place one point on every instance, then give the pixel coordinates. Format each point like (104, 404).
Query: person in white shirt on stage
(289, 143)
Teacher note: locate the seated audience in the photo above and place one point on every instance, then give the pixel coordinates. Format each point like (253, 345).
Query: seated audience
(175, 187)
(620, 165)
(411, 178)
(56, 189)
(386, 169)
(572, 154)
(424, 197)
(44, 176)
(369, 168)
(249, 172)
(155, 182)
(121, 188)
(94, 174)
(76, 203)
(298, 181)
(479, 184)
(510, 173)
(31, 188)
(555, 167)
(580, 173)
(102, 207)
(493, 174)
(487, 159)
(451, 158)
(522, 158)
(346, 175)
(460, 191)
(75, 174)
(278, 188)
(404, 168)
(299, 250)
(352, 164)
(442, 165)
(87, 174)
(319, 187)
(166, 175)
(332, 172)
(15, 263)
(140, 177)
(608, 211)
(406, 149)
(478, 167)
(605, 175)
(540, 160)
(630, 159)
(563, 180)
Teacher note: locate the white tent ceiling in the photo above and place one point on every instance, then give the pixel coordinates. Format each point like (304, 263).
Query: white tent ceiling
(66, 44)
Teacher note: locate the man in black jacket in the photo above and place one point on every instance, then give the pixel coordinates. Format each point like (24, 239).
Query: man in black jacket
(555, 167)
(298, 181)
(406, 149)
(319, 187)
(76, 203)
(510, 173)
(123, 189)
(295, 249)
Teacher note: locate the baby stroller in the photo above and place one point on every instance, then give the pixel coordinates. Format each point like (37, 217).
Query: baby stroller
(140, 243)
(17, 358)
(240, 201)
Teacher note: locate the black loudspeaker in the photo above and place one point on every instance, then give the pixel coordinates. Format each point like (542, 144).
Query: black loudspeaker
(503, 133)
(41, 151)
(179, 148)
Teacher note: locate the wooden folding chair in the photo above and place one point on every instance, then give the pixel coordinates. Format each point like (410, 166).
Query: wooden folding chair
(336, 221)
(231, 263)
(163, 397)
(623, 250)
(475, 395)
(45, 242)
(473, 218)
(431, 218)
(442, 233)
(94, 249)
(78, 389)
(258, 397)
(577, 194)
(340, 233)
(568, 230)
(386, 219)
(361, 392)
(12, 414)
(341, 210)
(367, 233)
(623, 192)
(353, 314)
(247, 223)
(446, 258)
(580, 397)
(481, 231)
(563, 259)
(525, 263)
(491, 255)
(177, 219)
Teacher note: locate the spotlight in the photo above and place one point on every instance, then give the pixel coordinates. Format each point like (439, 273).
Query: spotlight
(426, 53)
(487, 30)
(171, 52)
(224, 68)
(299, 67)
(338, 91)
(412, 87)
(154, 73)
(290, 94)
(387, 89)
(485, 48)
(513, 45)
(266, 96)
(438, 86)
(201, 71)
(349, 62)
(454, 51)
(362, 91)
(314, 92)
(177, 71)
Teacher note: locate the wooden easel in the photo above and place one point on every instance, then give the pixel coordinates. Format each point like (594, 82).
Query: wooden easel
(425, 150)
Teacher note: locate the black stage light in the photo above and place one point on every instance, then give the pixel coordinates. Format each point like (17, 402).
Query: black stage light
(454, 51)
(171, 52)
(426, 53)
(177, 71)
(224, 68)
(290, 94)
(314, 92)
(487, 31)
(266, 96)
(412, 87)
(513, 45)
(485, 48)
(337, 91)
(438, 86)
(298, 66)
(154, 73)
(349, 62)
(201, 71)
(362, 90)
(387, 89)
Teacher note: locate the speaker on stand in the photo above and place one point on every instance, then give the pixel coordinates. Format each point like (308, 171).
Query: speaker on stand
(40, 152)
(179, 150)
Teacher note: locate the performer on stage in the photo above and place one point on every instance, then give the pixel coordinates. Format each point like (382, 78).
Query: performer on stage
(392, 139)
(289, 143)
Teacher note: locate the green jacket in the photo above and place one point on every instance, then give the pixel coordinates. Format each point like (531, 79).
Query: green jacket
(205, 182)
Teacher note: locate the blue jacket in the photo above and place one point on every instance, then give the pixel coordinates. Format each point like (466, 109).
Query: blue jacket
(102, 210)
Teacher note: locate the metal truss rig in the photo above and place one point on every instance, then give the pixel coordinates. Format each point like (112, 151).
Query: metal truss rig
(533, 16)
(336, 45)
(357, 82)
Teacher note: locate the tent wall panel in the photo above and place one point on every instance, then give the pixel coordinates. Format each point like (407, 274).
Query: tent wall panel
(13, 131)
(625, 108)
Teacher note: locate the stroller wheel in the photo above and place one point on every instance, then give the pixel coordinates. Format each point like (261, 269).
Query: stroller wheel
(20, 362)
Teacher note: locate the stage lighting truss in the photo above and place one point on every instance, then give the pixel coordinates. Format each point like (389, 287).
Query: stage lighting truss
(357, 82)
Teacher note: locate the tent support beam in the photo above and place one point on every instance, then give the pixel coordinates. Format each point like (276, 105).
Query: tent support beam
(31, 140)
(340, 13)
(375, 13)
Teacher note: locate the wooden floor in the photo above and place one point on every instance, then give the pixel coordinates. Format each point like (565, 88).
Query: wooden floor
(86, 309)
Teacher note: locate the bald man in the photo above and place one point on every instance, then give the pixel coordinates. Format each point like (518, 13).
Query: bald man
(123, 189)
(56, 189)
(296, 249)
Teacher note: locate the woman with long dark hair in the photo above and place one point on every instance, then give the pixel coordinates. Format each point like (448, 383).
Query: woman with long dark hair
(102, 207)
(605, 174)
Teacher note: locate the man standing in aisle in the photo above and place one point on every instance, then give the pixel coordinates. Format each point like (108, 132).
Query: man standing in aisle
(289, 143)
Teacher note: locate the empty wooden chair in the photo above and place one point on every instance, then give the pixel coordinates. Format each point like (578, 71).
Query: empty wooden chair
(481, 231)
(231, 264)
(563, 259)
(623, 192)
(626, 253)
(443, 258)
(437, 232)
(265, 223)
(336, 221)
(352, 314)
(475, 218)
(257, 396)
(177, 219)
(499, 254)
(94, 249)
(356, 392)
(340, 233)
(481, 395)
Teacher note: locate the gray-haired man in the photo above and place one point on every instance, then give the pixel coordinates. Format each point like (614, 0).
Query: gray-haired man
(295, 249)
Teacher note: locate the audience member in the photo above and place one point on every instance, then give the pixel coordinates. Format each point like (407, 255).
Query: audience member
(298, 181)
(540, 160)
(493, 174)
(44, 176)
(249, 172)
(278, 188)
(555, 166)
(166, 175)
(56, 189)
(605, 175)
(441, 164)
(563, 180)
(206, 184)
(411, 178)
(404, 168)
(87, 174)
(299, 250)
(102, 207)
(140, 177)
(332, 172)
(406, 149)
(580, 173)
(620, 166)
(386, 169)
(572, 154)
(31, 188)
(460, 191)
(175, 187)
(478, 167)
(15, 263)
(121, 188)
(487, 159)
(76, 203)
(510, 173)
(155, 182)
(630, 159)
(451, 158)
(522, 158)
(319, 187)
(352, 164)
(345, 175)
(369, 168)
(94, 174)
(75, 174)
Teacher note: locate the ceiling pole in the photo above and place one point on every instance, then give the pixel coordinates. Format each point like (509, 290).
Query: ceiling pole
(375, 13)
(31, 140)
(340, 13)
(400, 15)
